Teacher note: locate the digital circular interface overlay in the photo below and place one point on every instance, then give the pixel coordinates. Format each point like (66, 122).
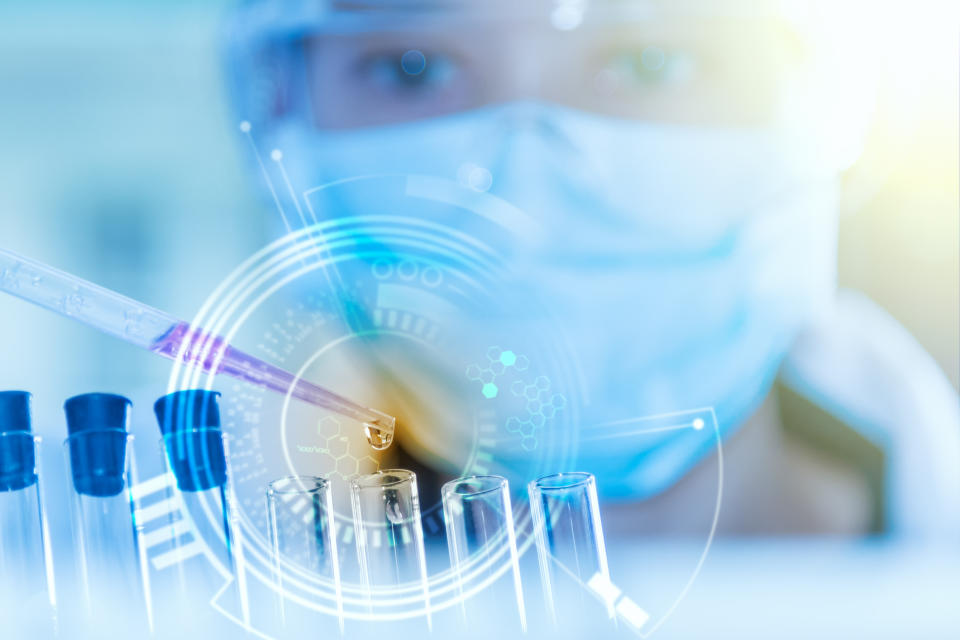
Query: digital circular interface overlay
(404, 298)
(405, 306)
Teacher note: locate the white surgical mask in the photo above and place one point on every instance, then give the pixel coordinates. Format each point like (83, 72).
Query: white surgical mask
(679, 261)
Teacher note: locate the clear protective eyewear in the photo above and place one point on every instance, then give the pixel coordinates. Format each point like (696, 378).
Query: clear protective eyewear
(691, 62)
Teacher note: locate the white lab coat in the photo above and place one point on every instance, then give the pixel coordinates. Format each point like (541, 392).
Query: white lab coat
(859, 364)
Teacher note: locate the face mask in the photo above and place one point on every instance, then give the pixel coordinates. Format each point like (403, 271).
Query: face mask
(679, 261)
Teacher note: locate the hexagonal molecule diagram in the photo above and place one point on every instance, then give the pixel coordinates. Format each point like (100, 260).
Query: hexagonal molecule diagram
(538, 405)
(335, 449)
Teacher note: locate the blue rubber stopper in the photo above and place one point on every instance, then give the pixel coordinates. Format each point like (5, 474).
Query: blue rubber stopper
(190, 423)
(17, 457)
(97, 426)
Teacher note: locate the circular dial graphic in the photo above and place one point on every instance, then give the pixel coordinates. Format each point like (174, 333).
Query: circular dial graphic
(411, 313)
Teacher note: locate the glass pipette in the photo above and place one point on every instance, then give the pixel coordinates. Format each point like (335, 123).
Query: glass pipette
(161, 333)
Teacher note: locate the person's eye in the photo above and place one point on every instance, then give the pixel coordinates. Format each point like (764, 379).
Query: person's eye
(408, 71)
(651, 67)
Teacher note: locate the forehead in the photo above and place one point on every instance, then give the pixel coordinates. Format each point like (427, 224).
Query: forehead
(564, 15)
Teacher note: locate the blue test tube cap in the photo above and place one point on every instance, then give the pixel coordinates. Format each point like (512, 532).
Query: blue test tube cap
(97, 428)
(190, 423)
(17, 456)
(14, 411)
(188, 409)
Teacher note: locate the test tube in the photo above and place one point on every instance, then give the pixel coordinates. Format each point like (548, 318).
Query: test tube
(210, 549)
(570, 546)
(26, 588)
(386, 517)
(483, 550)
(111, 572)
(300, 519)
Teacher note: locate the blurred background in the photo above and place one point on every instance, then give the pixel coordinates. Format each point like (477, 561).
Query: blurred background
(121, 162)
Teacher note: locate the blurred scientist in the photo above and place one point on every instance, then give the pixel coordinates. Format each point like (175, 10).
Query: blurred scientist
(685, 160)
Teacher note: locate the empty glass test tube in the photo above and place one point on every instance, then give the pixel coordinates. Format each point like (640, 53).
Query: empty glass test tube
(386, 516)
(570, 546)
(112, 569)
(483, 550)
(300, 518)
(208, 552)
(26, 580)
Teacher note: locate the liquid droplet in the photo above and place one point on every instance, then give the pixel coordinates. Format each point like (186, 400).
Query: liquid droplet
(378, 438)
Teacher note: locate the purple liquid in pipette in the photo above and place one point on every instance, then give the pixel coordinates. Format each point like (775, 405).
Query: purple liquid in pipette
(213, 354)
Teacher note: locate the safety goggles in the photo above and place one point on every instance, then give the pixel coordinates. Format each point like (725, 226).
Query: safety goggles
(358, 64)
